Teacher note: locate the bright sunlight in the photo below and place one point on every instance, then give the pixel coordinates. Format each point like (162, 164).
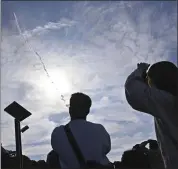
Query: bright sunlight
(60, 85)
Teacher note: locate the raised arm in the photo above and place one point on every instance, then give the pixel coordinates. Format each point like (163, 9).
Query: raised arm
(144, 143)
(141, 97)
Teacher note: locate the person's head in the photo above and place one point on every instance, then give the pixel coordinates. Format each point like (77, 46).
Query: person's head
(164, 76)
(153, 145)
(79, 106)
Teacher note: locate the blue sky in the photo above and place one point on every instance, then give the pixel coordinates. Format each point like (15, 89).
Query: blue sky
(86, 46)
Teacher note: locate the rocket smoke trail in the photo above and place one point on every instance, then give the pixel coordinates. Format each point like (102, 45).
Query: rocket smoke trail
(37, 54)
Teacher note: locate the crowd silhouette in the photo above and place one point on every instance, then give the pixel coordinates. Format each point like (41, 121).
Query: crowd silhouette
(83, 144)
(137, 157)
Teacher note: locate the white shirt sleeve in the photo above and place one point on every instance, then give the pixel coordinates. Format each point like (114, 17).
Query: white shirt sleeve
(143, 98)
(54, 139)
(56, 135)
(106, 141)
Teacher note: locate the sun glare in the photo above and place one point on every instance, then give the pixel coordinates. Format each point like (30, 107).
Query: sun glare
(60, 85)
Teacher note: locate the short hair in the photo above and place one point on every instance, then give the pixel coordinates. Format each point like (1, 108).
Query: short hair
(164, 76)
(80, 104)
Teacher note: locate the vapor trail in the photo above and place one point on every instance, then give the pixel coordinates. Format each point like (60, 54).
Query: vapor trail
(37, 54)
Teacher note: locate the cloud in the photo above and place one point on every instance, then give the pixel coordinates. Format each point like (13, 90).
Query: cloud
(94, 49)
(48, 27)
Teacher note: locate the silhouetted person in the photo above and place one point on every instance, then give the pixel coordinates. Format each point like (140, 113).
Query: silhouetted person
(153, 145)
(155, 93)
(93, 140)
(34, 164)
(119, 165)
(154, 154)
(5, 158)
(26, 161)
(141, 146)
(53, 160)
(135, 159)
(42, 164)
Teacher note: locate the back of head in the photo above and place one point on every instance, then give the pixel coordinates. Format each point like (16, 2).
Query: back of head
(164, 76)
(79, 105)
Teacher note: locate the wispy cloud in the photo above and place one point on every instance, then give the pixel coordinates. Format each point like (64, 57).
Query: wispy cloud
(93, 49)
(63, 23)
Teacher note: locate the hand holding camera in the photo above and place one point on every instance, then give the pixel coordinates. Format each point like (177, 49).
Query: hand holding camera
(144, 67)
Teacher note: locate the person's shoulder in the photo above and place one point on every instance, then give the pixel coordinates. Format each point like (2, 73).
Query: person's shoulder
(95, 124)
(57, 129)
(98, 126)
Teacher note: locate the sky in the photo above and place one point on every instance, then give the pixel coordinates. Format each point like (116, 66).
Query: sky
(88, 47)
